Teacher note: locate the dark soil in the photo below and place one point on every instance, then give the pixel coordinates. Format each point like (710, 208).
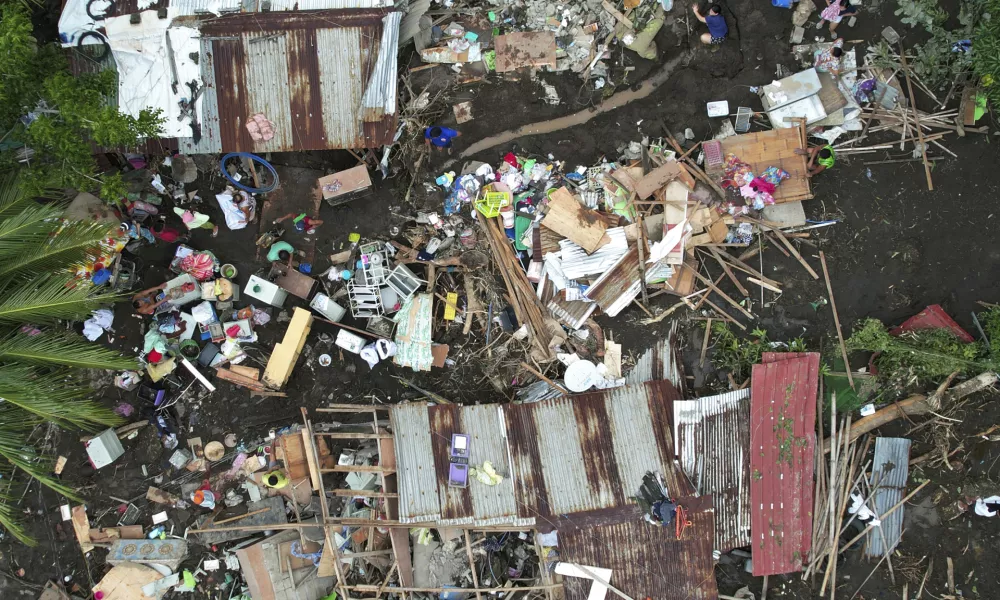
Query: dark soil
(896, 249)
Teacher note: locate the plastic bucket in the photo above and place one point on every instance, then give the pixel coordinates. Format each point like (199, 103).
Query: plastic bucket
(782, 3)
(190, 349)
(228, 271)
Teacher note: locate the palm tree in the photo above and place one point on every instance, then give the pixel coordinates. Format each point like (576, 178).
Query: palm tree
(42, 374)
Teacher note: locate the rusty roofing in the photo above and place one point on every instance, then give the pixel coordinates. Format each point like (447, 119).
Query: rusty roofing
(661, 361)
(617, 286)
(422, 435)
(306, 72)
(713, 441)
(782, 442)
(648, 561)
(590, 451)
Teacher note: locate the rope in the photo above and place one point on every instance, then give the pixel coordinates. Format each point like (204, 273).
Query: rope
(255, 158)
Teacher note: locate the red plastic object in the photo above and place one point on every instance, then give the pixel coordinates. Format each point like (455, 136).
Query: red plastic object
(933, 317)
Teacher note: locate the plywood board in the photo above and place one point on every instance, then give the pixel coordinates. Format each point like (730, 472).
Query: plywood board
(567, 217)
(350, 180)
(774, 148)
(81, 525)
(525, 49)
(657, 178)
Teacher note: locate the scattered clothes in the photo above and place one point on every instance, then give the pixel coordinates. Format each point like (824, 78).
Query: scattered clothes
(486, 474)
(859, 508)
(260, 128)
(194, 219)
(95, 326)
(297, 552)
(988, 507)
(200, 265)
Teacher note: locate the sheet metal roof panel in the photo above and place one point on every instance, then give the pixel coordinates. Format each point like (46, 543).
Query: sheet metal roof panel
(341, 77)
(617, 286)
(209, 142)
(659, 362)
(588, 452)
(380, 93)
(492, 505)
(266, 72)
(456, 502)
(890, 472)
(648, 561)
(416, 476)
(782, 443)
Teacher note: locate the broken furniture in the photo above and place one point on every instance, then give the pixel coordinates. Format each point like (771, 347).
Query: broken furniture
(265, 291)
(774, 148)
(797, 95)
(295, 283)
(286, 352)
(345, 186)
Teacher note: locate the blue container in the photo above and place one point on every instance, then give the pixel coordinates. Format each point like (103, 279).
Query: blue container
(782, 3)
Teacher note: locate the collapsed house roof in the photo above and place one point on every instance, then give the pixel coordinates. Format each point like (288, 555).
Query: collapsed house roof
(713, 436)
(558, 457)
(647, 561)
(324, 75)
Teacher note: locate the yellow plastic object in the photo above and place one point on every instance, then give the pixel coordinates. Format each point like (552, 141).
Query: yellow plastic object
(450, 305)
(354, 238)
(491, 203)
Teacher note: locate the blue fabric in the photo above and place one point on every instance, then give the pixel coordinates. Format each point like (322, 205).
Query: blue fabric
(717, 26)
(443, 140)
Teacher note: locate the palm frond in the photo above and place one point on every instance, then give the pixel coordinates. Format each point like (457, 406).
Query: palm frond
(33, 464)
(70, 244)
(28, 228)
(10, 517)
(12, 196)
(55, 348)
(54, 396)
(47, 298)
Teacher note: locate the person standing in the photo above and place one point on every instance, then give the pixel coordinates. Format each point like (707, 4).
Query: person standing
(196, 220)
(440, 137)
(718, 31)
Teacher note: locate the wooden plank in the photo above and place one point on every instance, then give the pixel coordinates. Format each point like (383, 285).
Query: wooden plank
(240, 380)
(251, 372)
(81, 525)
(617, 15)
(567, 217)
(311, 463)
(357, 469)
(657, 178)
(363, 494)
(356, 408)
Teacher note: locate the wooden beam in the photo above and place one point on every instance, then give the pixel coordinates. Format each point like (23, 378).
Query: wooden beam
(916, 117)
(537, 374)
(715, 288)
(728, 272)
(472, 565)
(836, 321)
(357, 469)
(357, 436)
(352, 407)
(363, 493)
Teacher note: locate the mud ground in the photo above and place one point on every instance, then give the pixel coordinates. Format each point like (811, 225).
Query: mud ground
(896, 248)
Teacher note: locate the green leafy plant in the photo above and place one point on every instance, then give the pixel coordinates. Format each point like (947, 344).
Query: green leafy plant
(919, 357)
(738, 355)
(934, 62)
(42, 367)
(51, 120)
(986, 51)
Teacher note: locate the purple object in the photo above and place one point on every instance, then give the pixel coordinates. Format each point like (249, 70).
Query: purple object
(459, 446)
(458, 475)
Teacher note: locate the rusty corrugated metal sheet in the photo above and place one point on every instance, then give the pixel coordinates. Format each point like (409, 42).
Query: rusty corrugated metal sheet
(423, 437)
(307, 72)
(617, 286)
(782, 443)
(713, 443)
(648, 561)
(890, 472)
(590, 451)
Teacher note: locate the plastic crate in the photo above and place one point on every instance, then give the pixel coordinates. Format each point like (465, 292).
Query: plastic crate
(491, 203)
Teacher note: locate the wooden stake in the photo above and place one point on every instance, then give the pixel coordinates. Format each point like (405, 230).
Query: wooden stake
(714, 288)
(726, 316)
(951, 576)
(883, 516)
(916, 118)
(704, 341)
(472, 565)
(763, 589)
(923, 582)
(836, 319)
(729, 272)
(641, 246)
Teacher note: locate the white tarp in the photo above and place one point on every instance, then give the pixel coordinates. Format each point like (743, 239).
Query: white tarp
(74, 21)
(144, 72)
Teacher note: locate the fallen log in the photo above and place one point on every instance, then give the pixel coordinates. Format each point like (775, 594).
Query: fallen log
(919, 404)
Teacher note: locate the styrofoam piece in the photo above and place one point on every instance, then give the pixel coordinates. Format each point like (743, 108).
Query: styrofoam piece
(580, 376)
(719, 108)
(325, 306)
(349, 341)
(104, 449)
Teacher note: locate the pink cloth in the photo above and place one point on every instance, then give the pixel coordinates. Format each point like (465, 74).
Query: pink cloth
(832, 13)
(260, 128)
(198, 265)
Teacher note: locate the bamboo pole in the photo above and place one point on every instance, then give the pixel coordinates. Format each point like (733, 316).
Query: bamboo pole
(916, 119)
(836, 319)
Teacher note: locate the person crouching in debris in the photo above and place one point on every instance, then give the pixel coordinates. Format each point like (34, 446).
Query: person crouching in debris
(283, 251)
(718, 31)
(821, 158)
(440, 137)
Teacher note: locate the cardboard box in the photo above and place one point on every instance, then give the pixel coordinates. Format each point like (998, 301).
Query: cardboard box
(104, 449)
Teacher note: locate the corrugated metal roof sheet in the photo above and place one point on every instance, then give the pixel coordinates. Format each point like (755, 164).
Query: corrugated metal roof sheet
(617, 286)
(380, 95)
(416, 476)
(576, 263)
(180, 8)
(307, 73)
(713, 443)
(648, 561)
(423, 437)
(659, 362)
(782, 442)
(890, 472)
(209, 141)
(588, 452)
